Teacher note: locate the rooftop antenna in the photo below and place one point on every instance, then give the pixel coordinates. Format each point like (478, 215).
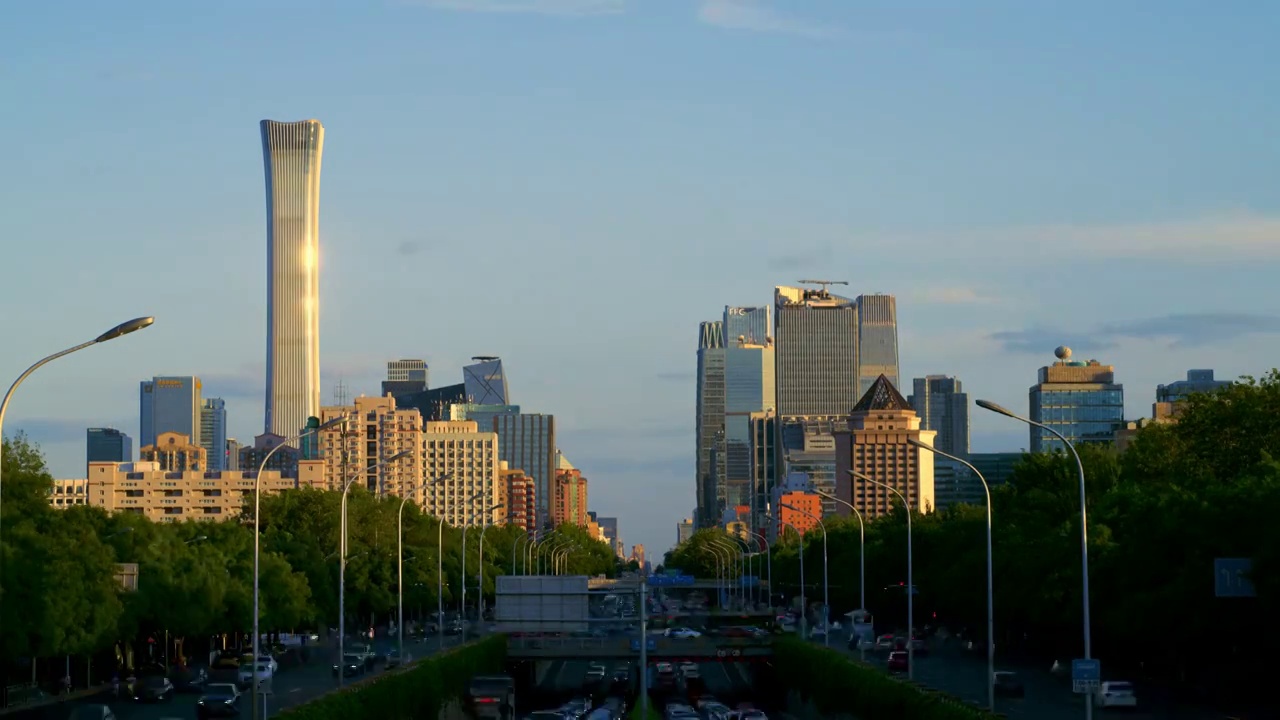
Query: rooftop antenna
(340, 393)
(824, 283)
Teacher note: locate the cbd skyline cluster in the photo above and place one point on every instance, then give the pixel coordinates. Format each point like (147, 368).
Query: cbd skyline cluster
(463, 452)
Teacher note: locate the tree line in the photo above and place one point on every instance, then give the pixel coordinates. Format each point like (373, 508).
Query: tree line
(60, 595)
(1180, 497)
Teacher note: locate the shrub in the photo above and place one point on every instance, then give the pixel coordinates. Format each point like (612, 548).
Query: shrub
(419, 691)
(837, 684)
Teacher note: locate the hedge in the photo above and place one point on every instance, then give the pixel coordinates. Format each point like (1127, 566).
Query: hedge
(838, 684)
(417, 692)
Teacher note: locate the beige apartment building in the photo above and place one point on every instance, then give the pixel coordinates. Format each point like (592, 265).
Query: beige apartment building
(467, 459)
(350, 452)
(162, 496)
(175, 452)
(874, 443)
(65, 493)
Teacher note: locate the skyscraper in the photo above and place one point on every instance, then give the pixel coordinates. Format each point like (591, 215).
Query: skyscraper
(291, 153)
(874, 443)
(169, 404)
(107, 445)
(817, 353)
(1081, 400)
(748, 388)
(213, 433)
(709, 422)
(943, 406)
(485, 381)
(528, 441)
(748, 323)
(877, 340)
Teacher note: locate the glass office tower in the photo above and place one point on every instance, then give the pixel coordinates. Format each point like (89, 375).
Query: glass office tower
(709, 422)
(943, 406)
(291, 153)
(877, 340)
(748, 388)
(748, 323)
(108, 445)
(486, 382)
(170, 404)
(1081, 400)
(213, 433)
(816, 343)
(527, 441)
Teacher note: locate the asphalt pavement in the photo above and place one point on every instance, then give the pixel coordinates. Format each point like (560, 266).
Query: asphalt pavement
(290, 687)
(962, 674)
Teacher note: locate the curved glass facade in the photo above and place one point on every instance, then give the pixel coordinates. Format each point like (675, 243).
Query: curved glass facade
(291, 153)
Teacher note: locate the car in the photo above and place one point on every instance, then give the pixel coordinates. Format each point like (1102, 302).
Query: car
(682, 633)
(884, 642)
(919, 647)
(1115, 693)
(92, 712)
(595, 671)
(220, 704)
(153, 689)
(222, 689)
(491, 696)
(191, 679)
(250, 674)
(352, 665)
(688, 667)
(269, 662)
(1007, 684)
(898, 661)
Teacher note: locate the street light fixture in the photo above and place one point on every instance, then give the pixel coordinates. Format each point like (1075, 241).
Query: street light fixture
(257, 542)
(826, 586)
(991, 633)
(400, 565)
(440, 567)
(479, 514)
(862, 548)
(342, 554)
(804, 604)
(1084, 527)
(911, 583)
(480, 581)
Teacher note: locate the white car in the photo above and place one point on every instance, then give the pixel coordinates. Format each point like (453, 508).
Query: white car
(269, 662)
(1115, 694)
(683, 633)
(251, 674)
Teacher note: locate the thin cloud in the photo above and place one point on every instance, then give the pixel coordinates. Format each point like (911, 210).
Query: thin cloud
(955, 296)
(757, 16)
(559, 8)
(1179, 331)
(801, 260)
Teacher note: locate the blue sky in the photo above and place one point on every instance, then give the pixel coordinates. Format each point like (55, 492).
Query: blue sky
(575, 184)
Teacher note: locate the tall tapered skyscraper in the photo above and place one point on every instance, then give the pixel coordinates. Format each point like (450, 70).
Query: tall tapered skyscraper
(291, 154)
(877, 340)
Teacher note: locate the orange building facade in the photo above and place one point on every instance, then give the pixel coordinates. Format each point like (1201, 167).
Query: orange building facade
(804, 511)
(569, 498)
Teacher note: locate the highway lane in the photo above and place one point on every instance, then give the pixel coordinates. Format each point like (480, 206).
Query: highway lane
(290, 687)
(963, 675)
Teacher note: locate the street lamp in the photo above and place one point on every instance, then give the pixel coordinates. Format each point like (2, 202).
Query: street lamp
(862, 548)
(729, 551)
(342, 557)
(804, 604)
(991, 621)
(483, 529)
(1084, 528)
(400, 564)
(521, 539)
(257, 540)
(711, 550)
(545, 550)
(911, 583)
(440, 567)
(768, 557)
(826, 587)
(123, 328)
(467, 526)
(531, 546)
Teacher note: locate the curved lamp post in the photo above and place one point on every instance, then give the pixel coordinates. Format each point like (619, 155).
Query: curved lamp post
(826, 586)
(400, 562)
(804, 604)
(440, 567)
(477, 515)
(716, 559)
(257, 542)
(1084, 528)
(991, 613)
(768, 558)
(546, 549)
(539, 538)
(342, 557)
(911, 583)
(862, 548)
(729, 566)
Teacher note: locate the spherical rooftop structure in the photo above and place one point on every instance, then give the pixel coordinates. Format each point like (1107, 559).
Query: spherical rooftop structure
(1063, 353)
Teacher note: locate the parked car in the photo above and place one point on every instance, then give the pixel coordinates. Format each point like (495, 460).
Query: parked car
(156, 688)
(898, 661)
(251, 673)
(218, 704)
(1115, 694)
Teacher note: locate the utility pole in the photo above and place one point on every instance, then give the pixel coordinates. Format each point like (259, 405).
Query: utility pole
(644, 647)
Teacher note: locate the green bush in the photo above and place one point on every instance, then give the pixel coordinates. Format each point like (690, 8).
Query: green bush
(418, 692)
(837, 684)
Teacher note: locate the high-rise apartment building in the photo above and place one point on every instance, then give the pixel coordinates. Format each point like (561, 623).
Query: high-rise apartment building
(764, 462)
(169, 404)
(874, 444)
(570, 496)
(809, 451)
(174, 452)
(709, 422)
(748, 388)
(291, 153)
(467, 458)
(146, 489)
(943, 406)
(107, 445)
(684, 531)
(816, 343)
(516, 496)
(1081, 400)
(231, 453)
(877, 340)
(213, 432)
(375, 430)
(748, 324)
(528, 441)
(486, 381)
(410, 370)
(797, 508)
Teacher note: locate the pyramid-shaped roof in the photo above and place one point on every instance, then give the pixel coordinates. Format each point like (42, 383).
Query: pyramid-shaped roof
(882, 396)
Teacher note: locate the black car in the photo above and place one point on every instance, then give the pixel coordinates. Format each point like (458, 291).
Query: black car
(352, 665)
(1007, 684)
(156, 688)
(190, 680)
(217, 705)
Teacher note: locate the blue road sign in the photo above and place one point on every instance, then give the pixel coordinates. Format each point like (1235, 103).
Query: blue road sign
(1231, 578)
(1086, 675)
(651, 645)
(670, 580)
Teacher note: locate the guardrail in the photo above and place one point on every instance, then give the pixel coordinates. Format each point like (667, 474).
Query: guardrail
(659, 646)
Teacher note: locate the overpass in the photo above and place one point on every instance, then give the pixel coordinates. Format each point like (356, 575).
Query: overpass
(632, 585)
(701, 649)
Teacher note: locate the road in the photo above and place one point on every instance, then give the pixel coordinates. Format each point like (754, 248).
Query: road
(963, 675)
(291, 687)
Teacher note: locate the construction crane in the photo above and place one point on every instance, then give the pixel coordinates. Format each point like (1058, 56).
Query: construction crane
(824, 283)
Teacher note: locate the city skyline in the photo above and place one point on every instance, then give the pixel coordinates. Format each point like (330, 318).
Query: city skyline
(1030, 203)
